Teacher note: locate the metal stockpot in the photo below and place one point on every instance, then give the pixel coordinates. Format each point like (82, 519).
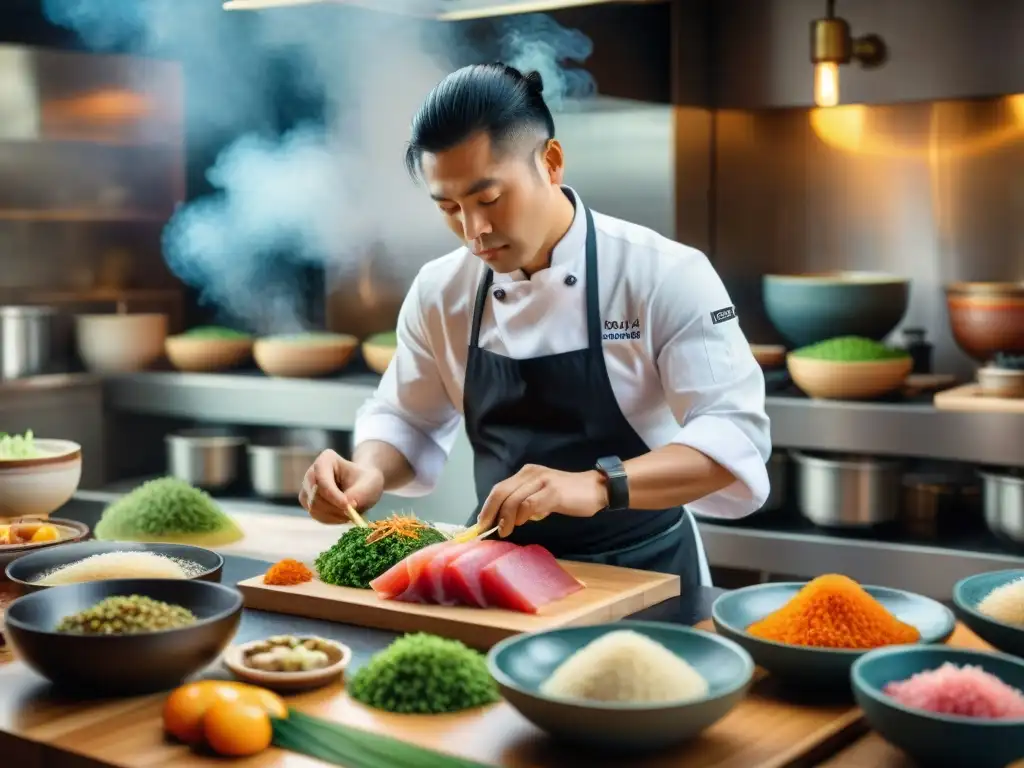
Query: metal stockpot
(26, 341)
(847, 491)
(1003, 502)
(276, 472)
(206, 458)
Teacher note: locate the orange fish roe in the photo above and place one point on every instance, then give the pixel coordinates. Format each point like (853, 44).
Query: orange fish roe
(834, 611)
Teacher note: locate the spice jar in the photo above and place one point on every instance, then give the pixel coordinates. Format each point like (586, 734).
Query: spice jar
(919, 349)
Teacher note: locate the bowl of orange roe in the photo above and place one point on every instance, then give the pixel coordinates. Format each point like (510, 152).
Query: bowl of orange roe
(812, 632)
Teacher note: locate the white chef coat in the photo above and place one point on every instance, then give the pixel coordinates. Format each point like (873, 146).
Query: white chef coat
(680, 372)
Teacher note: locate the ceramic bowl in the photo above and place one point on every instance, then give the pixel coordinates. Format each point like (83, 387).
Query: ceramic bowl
(39, 486)
(836, 380)
(122, 665)
(120, 343)
(340, 655)
(204, 355)
(378, 356)
(986, 318)
(25, 571)
(769, 355)
(932, 739)
(736, 610)
(304, 356)
(1000, 382)
(71, 531)
(521, 663)
(969, 592)
(810, 308)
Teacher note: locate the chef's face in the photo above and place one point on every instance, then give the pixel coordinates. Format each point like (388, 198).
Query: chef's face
(499, 202)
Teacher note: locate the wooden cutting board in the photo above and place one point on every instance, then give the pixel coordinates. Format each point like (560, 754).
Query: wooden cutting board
(969, 398)
(611, 593)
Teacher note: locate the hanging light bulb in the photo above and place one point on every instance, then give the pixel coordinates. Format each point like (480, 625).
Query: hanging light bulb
(831, 46)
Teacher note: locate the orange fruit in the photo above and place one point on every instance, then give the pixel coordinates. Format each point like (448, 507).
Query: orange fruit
(237, 729)
(185, 707)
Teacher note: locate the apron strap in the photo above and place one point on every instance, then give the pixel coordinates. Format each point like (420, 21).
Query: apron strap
(481, 301)
(593, 289)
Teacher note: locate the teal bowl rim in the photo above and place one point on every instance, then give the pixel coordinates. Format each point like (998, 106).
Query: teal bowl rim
(960, 603)
(839, 277)
(859, 684)
(504, 680)
(850, 652)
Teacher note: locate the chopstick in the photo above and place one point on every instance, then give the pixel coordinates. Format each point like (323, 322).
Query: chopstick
(356, 517)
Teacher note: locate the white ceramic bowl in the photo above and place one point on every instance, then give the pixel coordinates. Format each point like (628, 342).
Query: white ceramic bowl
(120, 343)
(37, 487)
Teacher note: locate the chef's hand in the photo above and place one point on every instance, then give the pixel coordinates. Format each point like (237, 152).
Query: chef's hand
(339, 483)
(535, 492)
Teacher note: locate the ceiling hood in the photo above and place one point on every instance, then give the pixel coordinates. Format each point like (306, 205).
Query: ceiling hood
(441, 10)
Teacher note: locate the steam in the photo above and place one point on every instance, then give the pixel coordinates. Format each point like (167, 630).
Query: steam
(330, 194)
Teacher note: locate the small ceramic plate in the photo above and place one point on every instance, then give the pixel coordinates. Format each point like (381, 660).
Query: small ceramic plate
(339, 654)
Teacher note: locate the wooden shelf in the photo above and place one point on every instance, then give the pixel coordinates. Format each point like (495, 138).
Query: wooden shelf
(82, 216)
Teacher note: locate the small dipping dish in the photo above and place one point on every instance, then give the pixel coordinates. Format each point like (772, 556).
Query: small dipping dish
(236, 659)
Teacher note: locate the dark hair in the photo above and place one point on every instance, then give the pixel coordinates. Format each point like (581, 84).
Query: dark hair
(494, 98)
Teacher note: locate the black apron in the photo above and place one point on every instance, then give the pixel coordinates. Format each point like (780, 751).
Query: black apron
(560, 411)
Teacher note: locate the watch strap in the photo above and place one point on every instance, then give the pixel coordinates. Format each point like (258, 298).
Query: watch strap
(618, 484)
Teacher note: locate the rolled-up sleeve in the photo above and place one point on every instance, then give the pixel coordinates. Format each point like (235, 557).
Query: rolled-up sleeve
(411, 409)
(712, 383)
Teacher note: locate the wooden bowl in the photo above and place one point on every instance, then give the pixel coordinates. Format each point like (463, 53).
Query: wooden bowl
(834, 380)
(34, 488)
(120, 343)
(986, 318)
(205, 355)
(304, 356)
(769, 355)
(378, 357)
(340, 656)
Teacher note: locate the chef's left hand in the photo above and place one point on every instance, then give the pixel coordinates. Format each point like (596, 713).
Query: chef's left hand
(536, 492)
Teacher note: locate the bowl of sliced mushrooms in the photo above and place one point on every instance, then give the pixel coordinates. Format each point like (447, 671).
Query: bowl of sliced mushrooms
(289, 662)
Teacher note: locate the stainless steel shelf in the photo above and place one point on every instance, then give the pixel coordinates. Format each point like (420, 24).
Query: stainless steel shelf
(897, 429)
(242, 398)
(927, 570)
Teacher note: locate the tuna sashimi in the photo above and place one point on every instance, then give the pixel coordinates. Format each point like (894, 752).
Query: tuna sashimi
(526, 579)
(462, 576)
(431, 579)
(396, 581)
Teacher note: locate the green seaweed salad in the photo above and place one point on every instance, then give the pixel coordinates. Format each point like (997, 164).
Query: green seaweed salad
(850, 349)
(361, 554)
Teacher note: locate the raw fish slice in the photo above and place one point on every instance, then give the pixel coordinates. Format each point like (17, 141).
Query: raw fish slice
(397, 579)
(462, 576)
(431, 579)
(526, 580)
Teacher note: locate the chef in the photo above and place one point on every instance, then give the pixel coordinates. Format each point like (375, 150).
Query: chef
(606, 387)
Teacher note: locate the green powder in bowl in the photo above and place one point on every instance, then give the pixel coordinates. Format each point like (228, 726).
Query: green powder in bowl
(387, 339)
(215, 332)
(850, 349)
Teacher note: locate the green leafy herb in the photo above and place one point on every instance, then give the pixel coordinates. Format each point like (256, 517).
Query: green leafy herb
(424, 674)
(354, 562)
(850, 349)
(353, 748)
(18, 447)
(167, 509)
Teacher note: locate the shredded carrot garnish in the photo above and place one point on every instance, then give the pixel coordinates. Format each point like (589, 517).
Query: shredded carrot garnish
(834, 611)
(286, 573)
(396, 525)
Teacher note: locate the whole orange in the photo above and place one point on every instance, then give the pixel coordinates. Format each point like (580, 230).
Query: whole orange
(185, 707)
(236, 729)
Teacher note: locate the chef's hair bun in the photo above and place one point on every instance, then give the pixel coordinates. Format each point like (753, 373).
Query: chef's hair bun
(534, 82)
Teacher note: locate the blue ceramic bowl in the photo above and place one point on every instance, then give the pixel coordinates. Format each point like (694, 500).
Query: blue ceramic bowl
(810, 308)
(931, 739)
(734, 611)
(521, 663)
(967, 593)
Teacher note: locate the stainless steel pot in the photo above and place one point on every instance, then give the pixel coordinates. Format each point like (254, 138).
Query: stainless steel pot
(940, 505)
(277, 471)
(26, 341)
(1003, 501)
(206, 458)
(843, 491)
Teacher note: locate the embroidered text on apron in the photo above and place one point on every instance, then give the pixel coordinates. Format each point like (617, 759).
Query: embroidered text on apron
(560, 411)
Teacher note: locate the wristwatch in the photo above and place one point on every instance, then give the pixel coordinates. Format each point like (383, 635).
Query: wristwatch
(618, 485)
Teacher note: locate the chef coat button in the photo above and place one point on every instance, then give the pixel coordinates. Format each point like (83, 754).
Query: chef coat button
(500, 294)
(570, 279)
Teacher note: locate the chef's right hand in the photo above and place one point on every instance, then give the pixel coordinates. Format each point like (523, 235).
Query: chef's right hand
(335, 483)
